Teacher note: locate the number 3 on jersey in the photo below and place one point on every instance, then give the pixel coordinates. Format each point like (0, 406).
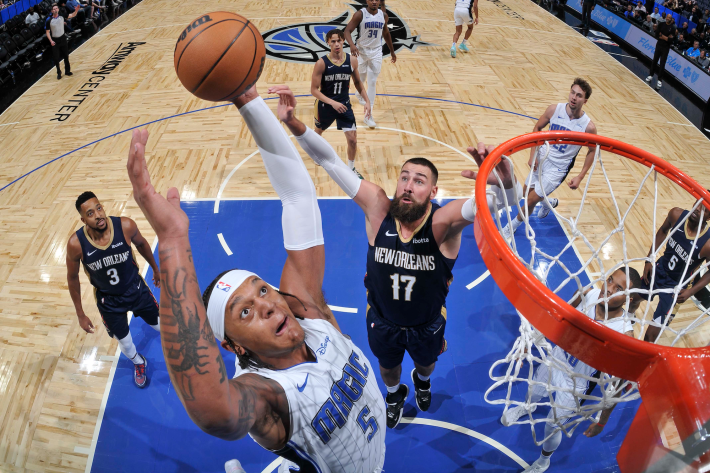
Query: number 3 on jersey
(114, 276)
(409, 280)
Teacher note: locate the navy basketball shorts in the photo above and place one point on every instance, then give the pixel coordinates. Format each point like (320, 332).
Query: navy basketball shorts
(388, 341)
(325, 115)
(114, 309)
(665, 307)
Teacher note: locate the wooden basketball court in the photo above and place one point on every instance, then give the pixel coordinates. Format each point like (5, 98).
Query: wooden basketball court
(53, 376)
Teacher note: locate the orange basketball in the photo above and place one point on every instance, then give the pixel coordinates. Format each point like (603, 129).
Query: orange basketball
(219, 56)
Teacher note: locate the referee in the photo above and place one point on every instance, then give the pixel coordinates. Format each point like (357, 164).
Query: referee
(54, 27)
(664, 35)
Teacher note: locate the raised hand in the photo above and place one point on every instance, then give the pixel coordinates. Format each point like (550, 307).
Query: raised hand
(164, 215)
(505, 171)
(287, 102)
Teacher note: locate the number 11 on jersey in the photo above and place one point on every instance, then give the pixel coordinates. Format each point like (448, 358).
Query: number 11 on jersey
(409, 280)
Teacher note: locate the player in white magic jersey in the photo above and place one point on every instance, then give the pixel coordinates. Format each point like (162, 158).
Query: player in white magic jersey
(464, 13)
(611, 314)
(302, 389)
(371, 23)
(551, 165)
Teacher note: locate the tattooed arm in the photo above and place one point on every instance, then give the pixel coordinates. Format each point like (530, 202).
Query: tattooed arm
(220, 407)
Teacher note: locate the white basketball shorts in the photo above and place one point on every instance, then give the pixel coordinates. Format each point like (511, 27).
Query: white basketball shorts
(461, 16)
(370, 62)
(552, 177)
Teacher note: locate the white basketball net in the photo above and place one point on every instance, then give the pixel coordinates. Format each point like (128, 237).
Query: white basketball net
(530, 375)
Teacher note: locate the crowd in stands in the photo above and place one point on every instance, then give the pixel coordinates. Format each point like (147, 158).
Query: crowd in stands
(23, 37)
(693, 34)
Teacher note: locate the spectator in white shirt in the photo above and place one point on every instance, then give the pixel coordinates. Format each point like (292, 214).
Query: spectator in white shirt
(640, 10)
(32, 18)
(655, 15)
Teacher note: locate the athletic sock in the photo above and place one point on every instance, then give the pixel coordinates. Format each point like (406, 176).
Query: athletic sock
(393, 389)
(423, 378)
(516, 223)
(453, 45)
(465, 41)
(351, 164)
(138, 359)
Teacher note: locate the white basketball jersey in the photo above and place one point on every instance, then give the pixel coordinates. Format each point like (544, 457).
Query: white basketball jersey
(562, 156)
(619, 324)
(467, 4)
(369, 42)
(338, 419)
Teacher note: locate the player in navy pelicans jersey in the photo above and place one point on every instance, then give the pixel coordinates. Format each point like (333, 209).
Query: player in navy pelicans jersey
(551, 165)
(302, 389)
(682, 251)
(103, 247)
(330, 85)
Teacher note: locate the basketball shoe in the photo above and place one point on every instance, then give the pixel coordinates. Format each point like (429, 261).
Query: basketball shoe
(395, 405)
(422, 391)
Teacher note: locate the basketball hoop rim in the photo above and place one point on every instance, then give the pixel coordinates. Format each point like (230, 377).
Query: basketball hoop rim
(517, 277)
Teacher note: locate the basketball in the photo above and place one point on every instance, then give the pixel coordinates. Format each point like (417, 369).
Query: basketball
(219, 56)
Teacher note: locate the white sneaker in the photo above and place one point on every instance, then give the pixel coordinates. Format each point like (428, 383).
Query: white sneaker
(233, 466)
(649, 79)
(360, 99)
(545, 210)
(370, 122)
(506, 233)
(512, 415)
(538, 467)
(658, 84)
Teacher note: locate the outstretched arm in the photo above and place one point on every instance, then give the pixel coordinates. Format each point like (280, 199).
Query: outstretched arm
(370, 197)
(451, 219)
(219, 407)
(303, 271)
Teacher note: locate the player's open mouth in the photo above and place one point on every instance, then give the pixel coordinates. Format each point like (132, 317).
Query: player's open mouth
(282, 326)
(100, 222)
(406, 200)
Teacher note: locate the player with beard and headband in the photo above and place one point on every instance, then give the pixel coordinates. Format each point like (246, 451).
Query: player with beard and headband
(103, 247)
(302, 389)
(413, 245)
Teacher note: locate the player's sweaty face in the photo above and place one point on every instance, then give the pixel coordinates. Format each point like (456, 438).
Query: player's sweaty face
(93, 215)
(258, 318)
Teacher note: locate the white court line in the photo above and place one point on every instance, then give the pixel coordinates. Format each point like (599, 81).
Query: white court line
(478, 280)
(682, 124)
(624, 55)
(226, 180)
(92, 450)
(443, 425)
(465, 155)
(13, 123)
(82, 450)
(224, 245)
(349, 310)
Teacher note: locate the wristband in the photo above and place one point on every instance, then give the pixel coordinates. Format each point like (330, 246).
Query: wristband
(600, 425)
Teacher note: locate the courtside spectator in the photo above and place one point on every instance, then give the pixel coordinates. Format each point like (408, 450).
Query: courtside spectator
(703, 60)
(640, 10)
(655, 15)
(32, 17)
(629, 13)
(648, 24)
(682, 44)
(694, 51)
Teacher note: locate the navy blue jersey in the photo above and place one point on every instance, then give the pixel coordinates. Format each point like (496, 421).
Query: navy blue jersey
(407, 280)
(111, 268)
(677, 252)
(335, 81)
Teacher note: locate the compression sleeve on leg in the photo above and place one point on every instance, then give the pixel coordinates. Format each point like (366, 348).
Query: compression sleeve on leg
(300, 218)
(324, 155)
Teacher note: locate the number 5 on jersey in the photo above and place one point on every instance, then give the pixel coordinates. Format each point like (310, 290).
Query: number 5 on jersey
(409, 280)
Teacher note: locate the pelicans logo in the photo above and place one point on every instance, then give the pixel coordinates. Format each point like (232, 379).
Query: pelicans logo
(305, 42)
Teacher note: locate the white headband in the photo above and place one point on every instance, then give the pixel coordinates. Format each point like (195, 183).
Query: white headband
(217, 305)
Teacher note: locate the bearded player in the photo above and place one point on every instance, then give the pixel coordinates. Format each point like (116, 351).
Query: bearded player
(413, 245)
(321, 410)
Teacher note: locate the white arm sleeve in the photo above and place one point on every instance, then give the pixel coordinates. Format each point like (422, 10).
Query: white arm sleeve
(325, 156)
(494, 198)
(300, 219)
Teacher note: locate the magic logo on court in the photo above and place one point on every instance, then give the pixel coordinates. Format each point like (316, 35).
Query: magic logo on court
(305, 42)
